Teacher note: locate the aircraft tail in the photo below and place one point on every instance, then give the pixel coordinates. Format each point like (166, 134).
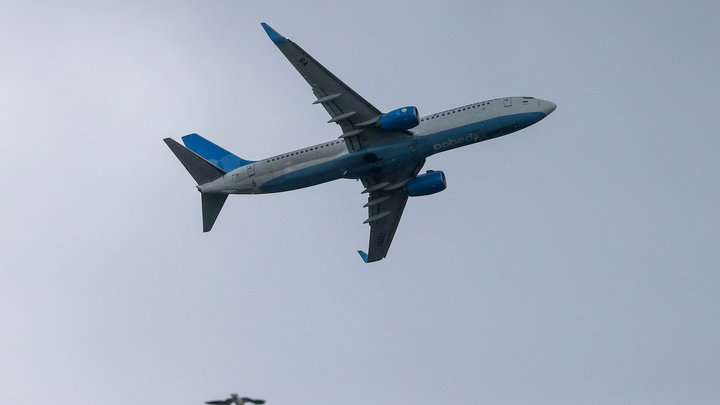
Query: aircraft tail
(203, 172)
(213, 153)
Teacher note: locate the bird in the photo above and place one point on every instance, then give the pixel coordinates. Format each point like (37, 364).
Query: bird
(234, 399)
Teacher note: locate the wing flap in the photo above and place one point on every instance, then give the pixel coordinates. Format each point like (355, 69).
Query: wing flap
(385, 205)
(384, 219)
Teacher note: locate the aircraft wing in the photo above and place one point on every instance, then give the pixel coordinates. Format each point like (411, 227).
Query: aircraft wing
(348, 109)
(385, 208)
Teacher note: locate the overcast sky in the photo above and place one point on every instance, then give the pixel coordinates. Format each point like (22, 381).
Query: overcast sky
(573, 262)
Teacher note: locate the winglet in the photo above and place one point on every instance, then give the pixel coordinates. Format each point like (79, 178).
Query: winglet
(363, 255)
(274, 36)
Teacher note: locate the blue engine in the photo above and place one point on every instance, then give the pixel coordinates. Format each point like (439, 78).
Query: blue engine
(400, 119)
(425, 184)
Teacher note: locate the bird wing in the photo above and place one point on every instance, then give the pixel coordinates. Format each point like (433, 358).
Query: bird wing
(254, 401)
(218, 402)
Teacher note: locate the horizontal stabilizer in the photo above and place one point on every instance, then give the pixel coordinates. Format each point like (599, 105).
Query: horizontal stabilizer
(213, 153)
(211, 206)
(200, 169)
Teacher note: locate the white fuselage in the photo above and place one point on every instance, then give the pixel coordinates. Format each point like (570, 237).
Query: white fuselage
(331, 160)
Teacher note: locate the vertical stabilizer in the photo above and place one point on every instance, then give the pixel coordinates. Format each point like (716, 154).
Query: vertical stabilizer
(213, 153)
(211, 206)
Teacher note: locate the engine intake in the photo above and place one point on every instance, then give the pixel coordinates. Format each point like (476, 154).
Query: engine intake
(400, 120)
(425, 184)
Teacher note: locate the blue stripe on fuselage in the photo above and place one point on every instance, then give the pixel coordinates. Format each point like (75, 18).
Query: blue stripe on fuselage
(348, 165)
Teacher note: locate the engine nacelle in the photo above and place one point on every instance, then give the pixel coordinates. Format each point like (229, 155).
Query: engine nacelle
(425, 184)
(400, 120)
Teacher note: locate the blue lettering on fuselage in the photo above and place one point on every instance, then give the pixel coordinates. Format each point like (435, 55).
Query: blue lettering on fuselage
(480, 131)
(452, 143)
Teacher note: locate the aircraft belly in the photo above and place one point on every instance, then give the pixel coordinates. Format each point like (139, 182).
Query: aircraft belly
(301, 178)
(244, 183)
(349, 165)
(386, 165)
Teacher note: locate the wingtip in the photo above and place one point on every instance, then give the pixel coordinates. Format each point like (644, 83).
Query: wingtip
(363, 255)
(274, 36)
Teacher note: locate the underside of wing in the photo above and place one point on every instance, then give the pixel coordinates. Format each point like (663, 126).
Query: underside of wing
(385, 205)
(254, 401)
(354, 114)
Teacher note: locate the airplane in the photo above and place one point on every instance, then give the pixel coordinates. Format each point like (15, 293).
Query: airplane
(234, 399)
(386, 151)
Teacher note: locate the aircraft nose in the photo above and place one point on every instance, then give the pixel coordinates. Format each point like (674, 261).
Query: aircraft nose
(547, 107)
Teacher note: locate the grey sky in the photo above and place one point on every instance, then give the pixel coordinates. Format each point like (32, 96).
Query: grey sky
(572, 262)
